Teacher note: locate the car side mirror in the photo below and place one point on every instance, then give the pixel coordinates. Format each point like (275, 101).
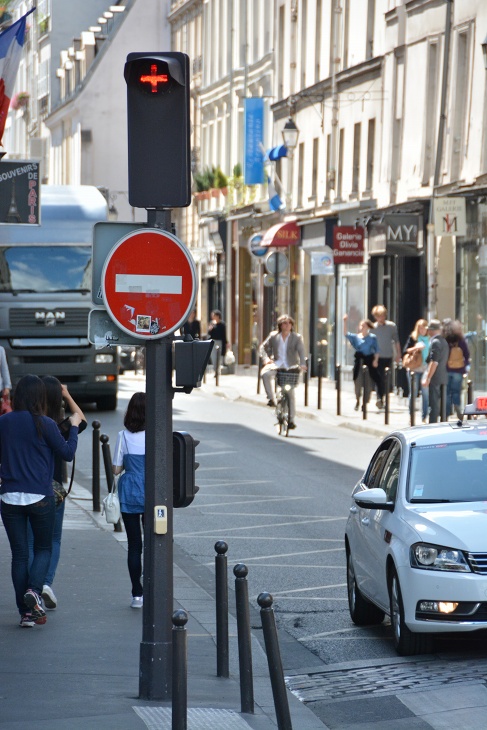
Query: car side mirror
(373, 499)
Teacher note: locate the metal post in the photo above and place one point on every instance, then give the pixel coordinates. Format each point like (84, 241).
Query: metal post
(320, 375)
(338, 371)
(179, 671)
(107, 461)
(306, 379)
(469, 395)
(276, 673)
(221, 590)
(95, 478)
(240, 572)
(217, 365)
(387, 373)
(412, 395)
(443, 404)
(259, 368)
(365, 373)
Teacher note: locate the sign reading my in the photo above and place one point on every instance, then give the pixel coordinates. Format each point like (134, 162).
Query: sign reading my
(348, 245)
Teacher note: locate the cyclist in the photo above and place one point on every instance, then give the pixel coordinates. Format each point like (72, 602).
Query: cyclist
(282, 349)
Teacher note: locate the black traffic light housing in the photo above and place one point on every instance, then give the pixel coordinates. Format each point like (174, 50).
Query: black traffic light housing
(158, 120)
(184, 467)
(190, 361)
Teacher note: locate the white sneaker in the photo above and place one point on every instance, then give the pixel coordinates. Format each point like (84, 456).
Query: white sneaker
(50, 600)
(137, 602)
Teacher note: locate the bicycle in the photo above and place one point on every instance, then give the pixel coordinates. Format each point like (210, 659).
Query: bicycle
(286, 380)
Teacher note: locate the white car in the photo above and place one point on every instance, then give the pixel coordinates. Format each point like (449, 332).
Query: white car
(416, 535)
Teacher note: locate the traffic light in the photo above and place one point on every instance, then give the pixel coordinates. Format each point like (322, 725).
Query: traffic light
(184, 467)
(190, 361)
(159, 155)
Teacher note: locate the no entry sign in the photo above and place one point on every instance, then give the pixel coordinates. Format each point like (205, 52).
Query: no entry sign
(149, 283)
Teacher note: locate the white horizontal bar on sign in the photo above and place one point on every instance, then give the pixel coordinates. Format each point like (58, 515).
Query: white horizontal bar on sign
(148, 284)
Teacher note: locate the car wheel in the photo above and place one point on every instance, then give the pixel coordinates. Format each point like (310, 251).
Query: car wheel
(406, 642)
(362, 612)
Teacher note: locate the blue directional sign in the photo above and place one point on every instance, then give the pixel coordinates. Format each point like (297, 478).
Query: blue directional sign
(254, 135)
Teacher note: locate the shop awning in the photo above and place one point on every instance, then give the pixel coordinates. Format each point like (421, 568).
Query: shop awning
(282, 235)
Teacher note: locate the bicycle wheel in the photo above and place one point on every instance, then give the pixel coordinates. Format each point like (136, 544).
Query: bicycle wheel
(285, 414)
(279, 415)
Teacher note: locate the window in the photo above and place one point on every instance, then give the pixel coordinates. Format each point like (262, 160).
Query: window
(300, 174)
(346, 32)
(304, 45)
(341, 152)
(389, 477)
(430, 116)
(318, 40)
(314, 179)
(369, 51)
(280, 63)
(328, 166)
(357, 131)
(372, 476)
(460, 109)
(370, 155)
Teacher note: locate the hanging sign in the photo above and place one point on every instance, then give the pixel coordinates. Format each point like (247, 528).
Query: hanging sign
(450, 216)
(348, 245)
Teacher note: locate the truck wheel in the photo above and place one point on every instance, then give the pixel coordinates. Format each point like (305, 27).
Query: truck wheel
(107, 403)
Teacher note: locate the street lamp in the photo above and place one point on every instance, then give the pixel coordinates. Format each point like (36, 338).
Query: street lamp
(290, 135)
(484, 51)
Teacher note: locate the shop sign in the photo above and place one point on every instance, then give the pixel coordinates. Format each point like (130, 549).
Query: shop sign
(395, 234)
(450, 216)
(348, 245)
(322, 262)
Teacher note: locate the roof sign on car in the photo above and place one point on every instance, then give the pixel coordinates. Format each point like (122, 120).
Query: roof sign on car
(478, 407)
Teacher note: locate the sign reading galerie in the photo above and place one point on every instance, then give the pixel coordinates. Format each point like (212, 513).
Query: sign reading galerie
(348, 245)
(450, 216)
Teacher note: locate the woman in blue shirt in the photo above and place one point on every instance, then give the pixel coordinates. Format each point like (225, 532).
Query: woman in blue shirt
(366, 353)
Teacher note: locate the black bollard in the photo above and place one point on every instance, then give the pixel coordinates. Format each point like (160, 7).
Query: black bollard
(470, 395)
(95, 479)
(259, 368)
(179, 671)
(107, 461)
(364, 391)
(443, 404)
(412, 396)
(276, 673)
(387, 384)
(240, 572)
(338, 371)
(307, 362)
(217, 365)
(320, 375)
(221, 590)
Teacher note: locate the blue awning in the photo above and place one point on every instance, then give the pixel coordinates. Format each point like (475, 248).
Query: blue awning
(275, 153)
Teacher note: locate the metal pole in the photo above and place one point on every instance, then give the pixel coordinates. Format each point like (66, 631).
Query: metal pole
(107, 461)
(217, 365)
(155, 666)
(244, 638)
(364, 399)
(387, 373)
(221, 590)
(259, 368)
(179, 671)
(320, 375)
(338, 387)
(306, 379)
(469, 395)
(443, 403)
(95, 478)
(412, 395)
(276, 673)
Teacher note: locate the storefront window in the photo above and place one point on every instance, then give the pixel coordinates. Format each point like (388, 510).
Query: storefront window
(353, 283)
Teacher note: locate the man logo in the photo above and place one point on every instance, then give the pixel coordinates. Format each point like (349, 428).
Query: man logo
(50, 319)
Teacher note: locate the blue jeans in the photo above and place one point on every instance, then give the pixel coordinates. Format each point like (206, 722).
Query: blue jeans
(16, 518)
(424, 392)
(453, 391)
(134, 524)
(56, 544)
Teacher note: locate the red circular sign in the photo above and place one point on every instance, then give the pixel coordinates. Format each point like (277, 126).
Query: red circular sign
(149, 283)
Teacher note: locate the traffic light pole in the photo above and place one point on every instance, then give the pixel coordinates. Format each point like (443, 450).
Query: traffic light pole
(155, 671)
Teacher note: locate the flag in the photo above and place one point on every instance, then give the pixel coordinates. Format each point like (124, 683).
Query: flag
(275, 153)
(11, 45)
(275, 202)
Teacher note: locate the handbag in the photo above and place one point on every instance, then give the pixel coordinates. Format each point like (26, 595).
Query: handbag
(412, 360)
(60, 493)
(111, 505)
(5, 405)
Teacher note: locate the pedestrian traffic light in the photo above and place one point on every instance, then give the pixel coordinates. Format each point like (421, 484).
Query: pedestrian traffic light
(184, 467)
(158, 129)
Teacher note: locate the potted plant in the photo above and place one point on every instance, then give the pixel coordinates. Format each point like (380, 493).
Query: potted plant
(221, 181)
(20, 100)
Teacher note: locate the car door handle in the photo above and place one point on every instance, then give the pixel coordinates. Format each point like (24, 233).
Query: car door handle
(353, 510)
(365, 521)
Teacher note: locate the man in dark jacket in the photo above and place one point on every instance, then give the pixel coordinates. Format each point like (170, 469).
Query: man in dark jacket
(436, 375)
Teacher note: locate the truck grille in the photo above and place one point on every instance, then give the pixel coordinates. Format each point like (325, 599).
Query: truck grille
(38, 317)
(478, 562)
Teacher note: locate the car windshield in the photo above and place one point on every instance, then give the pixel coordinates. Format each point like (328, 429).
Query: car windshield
(448, 472)
(45, 269)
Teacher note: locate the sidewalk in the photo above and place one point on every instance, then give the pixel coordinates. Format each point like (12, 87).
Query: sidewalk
(81, 670)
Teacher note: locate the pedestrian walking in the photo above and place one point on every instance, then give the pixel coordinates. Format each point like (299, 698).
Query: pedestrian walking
(366, 353)
(389, 346)
(5, 381)
(418, 341)
(29, 441)
(129, 462)
(456, 366)
(436, 374)
(217, 331)
(56, 393)
(282, 349)
(192, 326)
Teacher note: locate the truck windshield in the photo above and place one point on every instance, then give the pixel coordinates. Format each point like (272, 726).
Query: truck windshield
(43, 269)
(449, 472)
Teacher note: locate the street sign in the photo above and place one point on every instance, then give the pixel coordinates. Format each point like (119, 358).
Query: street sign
(276, 263)
(103, 332)
(149, 283)
(255, 246)
(105, 235)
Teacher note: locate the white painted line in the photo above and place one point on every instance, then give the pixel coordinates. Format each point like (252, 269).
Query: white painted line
(303, 590)
(259, 527)
(148, 284)
(310, 598)
(285, 555)
(330, 633)
(216, 453)
(243, 482)
(240, 513)
(250, 564)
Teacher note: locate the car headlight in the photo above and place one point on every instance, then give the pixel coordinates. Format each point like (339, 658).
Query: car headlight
(103, 358)
(436, 557)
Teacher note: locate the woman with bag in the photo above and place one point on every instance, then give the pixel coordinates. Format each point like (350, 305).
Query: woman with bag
(29, 441)
(129, 458)
(366, 353)
(415, 353)
(456, 366)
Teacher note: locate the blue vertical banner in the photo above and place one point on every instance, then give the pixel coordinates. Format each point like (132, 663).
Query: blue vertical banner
(253, 141)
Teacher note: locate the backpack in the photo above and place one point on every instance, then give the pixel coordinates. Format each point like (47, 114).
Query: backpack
(456, 359)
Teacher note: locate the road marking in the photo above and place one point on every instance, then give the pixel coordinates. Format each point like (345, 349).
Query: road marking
(255, 527)
(330, 633)
(303, 590)
(148, 284)
(285, 555)
(250, 564)
(254, 501)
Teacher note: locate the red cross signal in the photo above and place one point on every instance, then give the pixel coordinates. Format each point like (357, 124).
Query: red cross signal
(154, 79)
